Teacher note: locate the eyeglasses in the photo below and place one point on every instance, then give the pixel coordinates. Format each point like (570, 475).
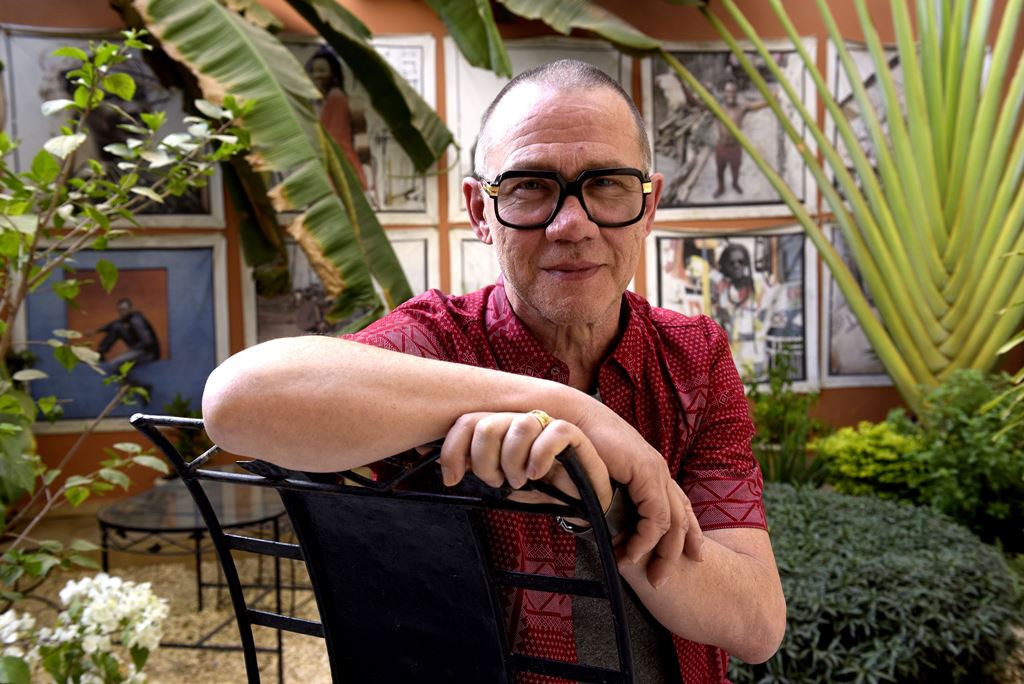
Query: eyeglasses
(612, 198)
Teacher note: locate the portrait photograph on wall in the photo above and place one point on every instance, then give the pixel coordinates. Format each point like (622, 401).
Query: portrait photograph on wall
(761, 288)
(166, 313)
(842, 91)
(469, 90)
(707, 172)
(34, 75)
(397, 192)
(850, 360)
(299, 306)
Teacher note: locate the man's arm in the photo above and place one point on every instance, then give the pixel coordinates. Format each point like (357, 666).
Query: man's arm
(323, 404)
(732, 599)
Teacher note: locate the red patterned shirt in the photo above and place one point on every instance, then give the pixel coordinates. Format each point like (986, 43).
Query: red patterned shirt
(670, 376)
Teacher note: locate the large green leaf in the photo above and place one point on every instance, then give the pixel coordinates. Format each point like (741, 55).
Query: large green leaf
(566, 15)
(416, 127)
(471, 24)
(229, 55)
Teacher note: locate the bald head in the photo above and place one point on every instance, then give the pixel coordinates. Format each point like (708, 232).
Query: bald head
(562, 76)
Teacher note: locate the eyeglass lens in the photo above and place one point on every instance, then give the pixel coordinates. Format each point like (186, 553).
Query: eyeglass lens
(610, 199)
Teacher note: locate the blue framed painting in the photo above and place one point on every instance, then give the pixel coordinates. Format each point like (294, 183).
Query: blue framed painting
(166, 313)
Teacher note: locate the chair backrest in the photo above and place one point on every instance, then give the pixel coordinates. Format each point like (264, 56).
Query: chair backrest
(403, 579)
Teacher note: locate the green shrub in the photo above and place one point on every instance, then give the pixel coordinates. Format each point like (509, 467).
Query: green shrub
(973, 469)
(784, 426)
(882, 591)
(873, 458)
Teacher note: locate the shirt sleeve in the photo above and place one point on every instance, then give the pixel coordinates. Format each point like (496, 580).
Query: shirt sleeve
(720, 474)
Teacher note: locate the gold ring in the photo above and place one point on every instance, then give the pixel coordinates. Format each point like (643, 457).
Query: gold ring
(543, 418)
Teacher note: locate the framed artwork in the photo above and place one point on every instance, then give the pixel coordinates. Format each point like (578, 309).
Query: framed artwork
(301, 310)
(399, 194)
(850, 360)
(707, 172)
(842, 91)
(33, 76)
(469, 90)
(473, 264)
(761, 287)
(171, 291)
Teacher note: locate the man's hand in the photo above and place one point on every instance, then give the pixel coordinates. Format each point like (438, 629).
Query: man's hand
(667, 526)
(516, 448)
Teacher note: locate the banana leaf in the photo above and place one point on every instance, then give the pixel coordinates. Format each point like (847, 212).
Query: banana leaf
(231, 56)
(471, 25)
(414, 125)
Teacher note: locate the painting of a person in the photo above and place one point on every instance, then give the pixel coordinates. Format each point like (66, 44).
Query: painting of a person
(556, 352)
(132, 328)
(738, 297)
(728, 151)
(341, 124)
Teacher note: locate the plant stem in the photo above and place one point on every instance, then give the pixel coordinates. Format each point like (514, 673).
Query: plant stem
(51, 501)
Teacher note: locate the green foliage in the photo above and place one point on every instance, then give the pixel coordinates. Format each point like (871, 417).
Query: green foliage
(956, 458)
(973, 469)
(784, 427)
(873, 458)
(879, 591)
(48, 214)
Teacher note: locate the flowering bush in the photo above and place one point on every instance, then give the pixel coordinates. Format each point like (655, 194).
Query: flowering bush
(103, 616)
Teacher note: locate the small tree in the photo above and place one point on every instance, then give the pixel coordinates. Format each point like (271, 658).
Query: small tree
(48, 214)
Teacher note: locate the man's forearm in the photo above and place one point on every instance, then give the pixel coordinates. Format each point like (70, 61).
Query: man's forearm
(320, 403)
(732, 599)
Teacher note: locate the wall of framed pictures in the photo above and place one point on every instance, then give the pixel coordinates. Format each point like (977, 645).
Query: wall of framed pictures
(722, 244)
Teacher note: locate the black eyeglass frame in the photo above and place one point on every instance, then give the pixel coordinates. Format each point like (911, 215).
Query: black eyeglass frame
(573, 188)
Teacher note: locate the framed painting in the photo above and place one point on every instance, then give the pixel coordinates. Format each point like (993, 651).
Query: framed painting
(171, 293)
(398, 193)
(34, 75)
(473, 264)
(300, 310)
(842, 91)
(850, 360)
(707, 173)
(469, 90)
(760, 287)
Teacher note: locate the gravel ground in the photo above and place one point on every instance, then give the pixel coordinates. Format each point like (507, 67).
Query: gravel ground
(305, 658)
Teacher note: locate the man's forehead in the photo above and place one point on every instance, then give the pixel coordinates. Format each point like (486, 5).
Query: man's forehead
(533, 117)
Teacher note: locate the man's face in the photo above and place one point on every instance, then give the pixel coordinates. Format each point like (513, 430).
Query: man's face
(572, 272)
(735, 265)
(123, 309)
(730, 93)
(320, 74)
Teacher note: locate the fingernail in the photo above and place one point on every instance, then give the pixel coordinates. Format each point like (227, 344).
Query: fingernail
(446, 476)
(660, 583)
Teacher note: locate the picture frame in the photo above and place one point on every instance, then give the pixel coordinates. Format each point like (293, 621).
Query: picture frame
(473, 264)
(849, 359)
(300, 312)
(397, 192)
(842, 92)
(33, 76)
(469, 90)
(178, 284)
(708, 175)
(761, 286)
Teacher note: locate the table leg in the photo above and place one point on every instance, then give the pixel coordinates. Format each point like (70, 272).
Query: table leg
(199, 569)
(104, 553)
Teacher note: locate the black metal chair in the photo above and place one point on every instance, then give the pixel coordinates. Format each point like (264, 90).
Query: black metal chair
(404, 585)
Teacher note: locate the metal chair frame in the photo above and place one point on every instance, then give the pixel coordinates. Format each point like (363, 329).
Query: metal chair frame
(320, 504)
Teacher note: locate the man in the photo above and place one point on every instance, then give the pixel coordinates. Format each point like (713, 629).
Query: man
(728, 152)
(132, 328)
(647, 397)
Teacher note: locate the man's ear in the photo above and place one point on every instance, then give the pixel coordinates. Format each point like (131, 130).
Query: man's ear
(473, 193)
(657, 186)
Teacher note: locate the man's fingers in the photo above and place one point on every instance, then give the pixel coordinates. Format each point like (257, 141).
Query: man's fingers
(670, 546)
(517, 447)
(485, 448)
(455, 450)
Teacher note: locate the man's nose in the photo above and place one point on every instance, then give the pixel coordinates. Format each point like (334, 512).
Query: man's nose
(571, 222)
